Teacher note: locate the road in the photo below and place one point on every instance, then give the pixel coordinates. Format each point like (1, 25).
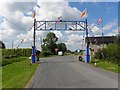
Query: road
(68, 72)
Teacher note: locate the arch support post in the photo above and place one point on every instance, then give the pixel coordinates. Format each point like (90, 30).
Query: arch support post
(33, 47)
(87, 59)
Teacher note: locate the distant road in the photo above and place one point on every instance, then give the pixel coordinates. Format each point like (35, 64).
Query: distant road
(67, 72)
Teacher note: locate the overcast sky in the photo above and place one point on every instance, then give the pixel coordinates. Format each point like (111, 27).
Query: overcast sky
(16, 21)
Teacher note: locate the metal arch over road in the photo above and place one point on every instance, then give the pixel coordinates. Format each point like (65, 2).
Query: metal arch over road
(61, 26)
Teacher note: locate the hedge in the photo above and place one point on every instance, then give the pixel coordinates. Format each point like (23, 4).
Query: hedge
(12, 60)
(10, 53)
(110, 53)
(46, 53)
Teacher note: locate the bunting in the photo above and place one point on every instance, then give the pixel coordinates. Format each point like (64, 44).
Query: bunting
(99, 21)
(60, 18)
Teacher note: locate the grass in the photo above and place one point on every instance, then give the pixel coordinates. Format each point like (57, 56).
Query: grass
(107, 66)
(0, 69)
(0, 78)
(18, 74)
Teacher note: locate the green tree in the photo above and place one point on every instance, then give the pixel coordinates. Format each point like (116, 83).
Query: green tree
(50, 42)
(62, 47)
(2, 45)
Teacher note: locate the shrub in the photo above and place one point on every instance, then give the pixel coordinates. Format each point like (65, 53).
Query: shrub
(46, 53)
(110, 53)
(11, 53)
(11, 60)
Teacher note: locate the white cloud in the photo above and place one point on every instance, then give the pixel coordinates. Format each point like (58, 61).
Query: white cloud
(109, 25)
(74, 38)
(95, 29)
(58, 34)
(75, 41)
(74, 32)
(17, 25)
(113, 33)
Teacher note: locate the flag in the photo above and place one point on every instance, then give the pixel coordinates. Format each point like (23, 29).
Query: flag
(34, 9)
(33, 13)
(37, 4)
(83, 13)
(99, 21)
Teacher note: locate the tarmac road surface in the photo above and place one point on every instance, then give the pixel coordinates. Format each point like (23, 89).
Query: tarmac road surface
(68, 72)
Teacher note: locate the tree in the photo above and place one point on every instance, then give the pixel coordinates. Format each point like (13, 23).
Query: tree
(62, 47)
(50, 42)
(2, 45)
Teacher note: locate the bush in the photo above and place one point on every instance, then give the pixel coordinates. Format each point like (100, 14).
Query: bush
(11, 53)
(11, 60)
(110, 54)
(46, 53)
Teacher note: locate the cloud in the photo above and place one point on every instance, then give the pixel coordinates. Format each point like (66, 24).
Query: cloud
(52, 10)
(72, 39)
(113, 33)
(95, 29)
(109, 25)
(18, 25)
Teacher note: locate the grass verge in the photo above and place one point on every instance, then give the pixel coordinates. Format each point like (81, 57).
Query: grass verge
(107, 66)
(0, 77)
(18, 74)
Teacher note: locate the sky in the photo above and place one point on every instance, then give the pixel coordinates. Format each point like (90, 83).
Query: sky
(16, 21)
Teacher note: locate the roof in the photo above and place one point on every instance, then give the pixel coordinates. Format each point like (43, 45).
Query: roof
(100, 39)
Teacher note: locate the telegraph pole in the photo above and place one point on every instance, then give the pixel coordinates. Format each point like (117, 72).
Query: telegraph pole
(102, 35)
(41, 42)
(34, 32)
(12, 44)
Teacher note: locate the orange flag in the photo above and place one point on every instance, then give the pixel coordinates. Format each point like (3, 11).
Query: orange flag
(83, 13)
(34, 14)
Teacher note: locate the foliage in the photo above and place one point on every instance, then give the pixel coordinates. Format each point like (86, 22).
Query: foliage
(10, 53)
(50, 42)
(2, 45)
(11, 60)
(46, 53)
(10, 56)
(62, 47)
(111, 53)
(50, 45)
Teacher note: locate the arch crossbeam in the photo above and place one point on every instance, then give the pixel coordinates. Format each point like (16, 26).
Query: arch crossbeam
(60, 25)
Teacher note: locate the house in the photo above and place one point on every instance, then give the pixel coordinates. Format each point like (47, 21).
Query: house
(97, 43)
(102, 40)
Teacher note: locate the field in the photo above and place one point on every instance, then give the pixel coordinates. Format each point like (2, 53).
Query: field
(18, 74)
